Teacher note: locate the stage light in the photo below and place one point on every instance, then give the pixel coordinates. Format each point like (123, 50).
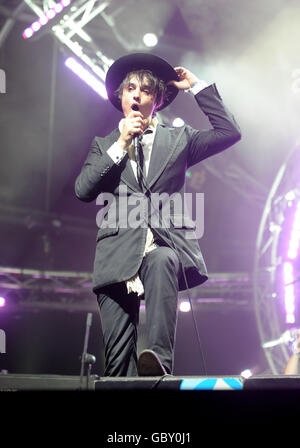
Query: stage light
(28, 33)
(58, 8)
(51, 13)
(246, 373)
(295, 235)
(150, 39)
(86, 76)
(185, 306)
(288, 266)
(178, 122)
(44, 19)
(290, 196)
(277, 263)
(289, 294)
(2, 302)
(273, 227)
(36, 26)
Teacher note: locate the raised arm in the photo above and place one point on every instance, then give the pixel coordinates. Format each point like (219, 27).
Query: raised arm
(225, 132)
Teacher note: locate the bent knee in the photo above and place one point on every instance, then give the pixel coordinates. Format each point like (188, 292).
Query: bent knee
(166, 256)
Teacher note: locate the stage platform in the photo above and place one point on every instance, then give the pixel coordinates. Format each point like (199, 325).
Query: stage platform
(30, 382)
(158, 405)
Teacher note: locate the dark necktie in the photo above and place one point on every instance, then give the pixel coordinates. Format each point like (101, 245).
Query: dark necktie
(141, 171)
(140, 165)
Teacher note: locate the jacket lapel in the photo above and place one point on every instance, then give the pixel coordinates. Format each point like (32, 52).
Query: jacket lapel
(161, 154)
(128, 176)
(162, 150)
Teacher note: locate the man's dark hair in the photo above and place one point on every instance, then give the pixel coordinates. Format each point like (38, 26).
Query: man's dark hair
(156, 85)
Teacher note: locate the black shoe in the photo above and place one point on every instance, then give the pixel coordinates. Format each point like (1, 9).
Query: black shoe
(150, 365)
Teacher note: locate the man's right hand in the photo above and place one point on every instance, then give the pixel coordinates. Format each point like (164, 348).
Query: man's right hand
(132, 124)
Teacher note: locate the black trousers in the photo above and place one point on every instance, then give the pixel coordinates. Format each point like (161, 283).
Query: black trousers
(119, 313)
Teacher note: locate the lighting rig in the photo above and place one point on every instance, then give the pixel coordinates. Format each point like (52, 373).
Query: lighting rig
(276, 273)
(68, 20)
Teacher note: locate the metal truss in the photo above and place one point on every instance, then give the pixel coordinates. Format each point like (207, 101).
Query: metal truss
(28, 289)
(223, 288)
(267, 299)
(34, 289)
(11, 18)
(70, 30)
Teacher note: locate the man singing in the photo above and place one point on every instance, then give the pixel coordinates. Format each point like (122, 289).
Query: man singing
(144, 158)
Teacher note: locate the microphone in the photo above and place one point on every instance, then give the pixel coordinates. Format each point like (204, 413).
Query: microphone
(136, 138)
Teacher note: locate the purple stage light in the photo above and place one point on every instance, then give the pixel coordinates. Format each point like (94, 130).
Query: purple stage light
(295, 235)
(289, 293)
(28, 33)
(86, 76)
(288, 268)
(2, 302)
(44, 19)
(36, 26)
(51, 13)
(58, 8)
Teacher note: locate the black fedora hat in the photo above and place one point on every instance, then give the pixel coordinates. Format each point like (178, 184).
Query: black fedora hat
(139, 61)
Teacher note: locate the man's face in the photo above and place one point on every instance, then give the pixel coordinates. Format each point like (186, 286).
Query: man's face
(138, 93)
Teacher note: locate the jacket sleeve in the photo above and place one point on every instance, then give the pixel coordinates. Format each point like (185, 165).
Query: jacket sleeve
(97, 174)
(224, 133)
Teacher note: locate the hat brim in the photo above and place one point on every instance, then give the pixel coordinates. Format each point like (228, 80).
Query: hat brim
(140, 61)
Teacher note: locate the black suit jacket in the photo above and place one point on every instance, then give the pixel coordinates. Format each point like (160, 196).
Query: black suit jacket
(120, 248)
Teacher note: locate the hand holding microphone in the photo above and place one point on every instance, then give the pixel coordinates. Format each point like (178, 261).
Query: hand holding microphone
(133, 126)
